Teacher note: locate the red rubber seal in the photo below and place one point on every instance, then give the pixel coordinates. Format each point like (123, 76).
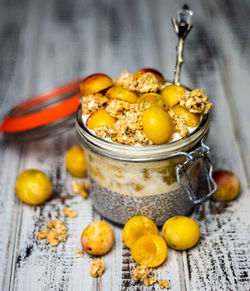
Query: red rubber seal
(56, 104)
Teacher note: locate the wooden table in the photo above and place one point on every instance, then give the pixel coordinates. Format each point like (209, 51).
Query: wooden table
(47, 43)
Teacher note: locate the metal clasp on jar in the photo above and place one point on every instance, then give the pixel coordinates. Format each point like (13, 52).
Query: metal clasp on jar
(199, 153)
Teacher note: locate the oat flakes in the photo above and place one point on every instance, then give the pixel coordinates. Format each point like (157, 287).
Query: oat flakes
(179, 123)
(97, 267)
(128, 127)
(196, 101)
(163, 284)
(79, 252)
(93, 102)
(69, 212)
(144, 83)
(142, 273)
(55, 232)
(81, 188)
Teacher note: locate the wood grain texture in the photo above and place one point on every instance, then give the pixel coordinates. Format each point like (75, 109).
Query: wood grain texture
(232, 26)
(47, 43)
(12, 89)
(213, 264)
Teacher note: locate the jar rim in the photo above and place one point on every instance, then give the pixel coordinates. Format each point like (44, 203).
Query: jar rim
(139, 153)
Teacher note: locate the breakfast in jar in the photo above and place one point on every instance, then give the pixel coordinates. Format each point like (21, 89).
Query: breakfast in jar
(128, 127)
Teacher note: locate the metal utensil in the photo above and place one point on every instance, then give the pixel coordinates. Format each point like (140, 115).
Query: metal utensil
(182, 26)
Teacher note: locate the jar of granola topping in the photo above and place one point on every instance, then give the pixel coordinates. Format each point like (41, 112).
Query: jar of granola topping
(158, 181)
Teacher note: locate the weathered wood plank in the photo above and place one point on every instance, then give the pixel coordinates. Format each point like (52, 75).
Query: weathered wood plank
(12, 88)
(55, 268)
(9, 159)
(110, 36)
(52, 268)
(219, 260)
(232, 24)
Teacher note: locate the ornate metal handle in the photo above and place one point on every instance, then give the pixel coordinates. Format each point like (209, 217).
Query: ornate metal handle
(198, 153)
(182, 26)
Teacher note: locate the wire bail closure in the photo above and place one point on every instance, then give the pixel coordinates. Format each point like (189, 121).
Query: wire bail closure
(200, 152)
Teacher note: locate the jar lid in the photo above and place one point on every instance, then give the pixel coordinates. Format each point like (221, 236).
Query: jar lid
(42, 115)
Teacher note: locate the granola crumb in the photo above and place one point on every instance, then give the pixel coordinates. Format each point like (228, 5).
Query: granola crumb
(196, 101)
(144, 83)
(93, 102)
(81, 188)
(69, 212)
(79, 253)
(116, 108)
(125, 79)
(55, 232)
(42, 234)
(179, 124)
(149, 281)
(147, 82)
(163, 284)
(97, 267)
(142, 273)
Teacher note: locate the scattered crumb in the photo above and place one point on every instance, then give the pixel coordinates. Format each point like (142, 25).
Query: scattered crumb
(149, 281)
(142, 273)
(97, 267)
(196, 101)
(69, 212)
(81, 188)
(79, 253)
(43, 233)
(163, 284)
(55, 232)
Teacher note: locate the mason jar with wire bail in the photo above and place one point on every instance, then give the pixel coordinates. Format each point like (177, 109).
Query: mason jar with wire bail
(158, 181)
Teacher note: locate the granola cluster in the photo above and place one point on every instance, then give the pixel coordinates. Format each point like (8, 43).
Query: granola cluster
(128, 127)
(163, 284)
(97, 267)
(79, 253)
(179, 124)
(196, 101)
(93, 102)
(55, 232)
(142, 274)
(81, 188)
(69, 212)
(143, 83)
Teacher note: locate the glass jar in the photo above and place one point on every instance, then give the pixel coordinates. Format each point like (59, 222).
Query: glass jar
(157, 181)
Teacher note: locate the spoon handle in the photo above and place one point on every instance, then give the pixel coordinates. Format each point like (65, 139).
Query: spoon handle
(182, 26)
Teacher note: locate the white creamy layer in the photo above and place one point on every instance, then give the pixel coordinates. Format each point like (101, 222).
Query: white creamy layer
(138, 179)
